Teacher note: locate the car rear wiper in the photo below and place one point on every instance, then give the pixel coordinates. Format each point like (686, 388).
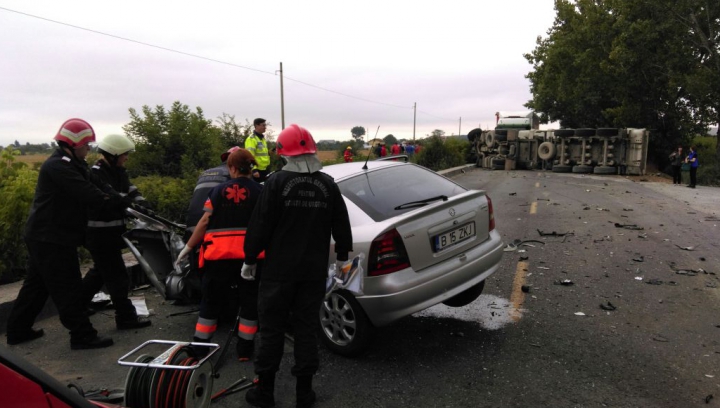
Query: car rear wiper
(421, 202)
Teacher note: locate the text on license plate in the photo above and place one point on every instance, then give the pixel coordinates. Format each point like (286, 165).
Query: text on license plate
(455, 236)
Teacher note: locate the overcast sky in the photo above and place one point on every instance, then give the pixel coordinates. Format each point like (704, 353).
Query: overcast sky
(456, 59)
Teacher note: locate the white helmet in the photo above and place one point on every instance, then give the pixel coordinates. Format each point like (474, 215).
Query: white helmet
(116, 145)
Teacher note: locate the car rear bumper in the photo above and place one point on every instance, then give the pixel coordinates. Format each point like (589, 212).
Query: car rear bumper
(394, 296)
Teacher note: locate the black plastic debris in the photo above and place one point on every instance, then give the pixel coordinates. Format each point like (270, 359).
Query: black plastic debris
(628, 209)
(629, 226)
(551, 234)
(608, 306)
(524, 257)
(542, 199)
(525, 288)
(654, 282)
(708, 398)
(564, 282)
(660, 338)
(702, 258)
(639, 259)
(512, 194)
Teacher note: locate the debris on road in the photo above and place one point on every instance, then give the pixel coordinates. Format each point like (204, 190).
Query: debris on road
(690, 248)
(629, 226)
(579, 314)
(551, 234)
(564, 282)
(512, 194)
(523, 257)
(639, 259)
(525, 288)
(638, 278)
(628, 209)
(608, 306)
(708, 398)
(654, 282)
(660, 338)
(543, 267)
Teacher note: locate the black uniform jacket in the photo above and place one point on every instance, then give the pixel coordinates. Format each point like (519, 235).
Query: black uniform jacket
(208, 180)
(293, 221)
(106, 225)
(65, 189)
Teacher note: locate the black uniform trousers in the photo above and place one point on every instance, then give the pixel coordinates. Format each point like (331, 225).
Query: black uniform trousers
(693, 176)
(53, 270)
(223, 292)
(109, 269)
(275, 302)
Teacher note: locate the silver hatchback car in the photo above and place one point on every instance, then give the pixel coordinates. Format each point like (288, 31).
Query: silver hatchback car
(427, 240)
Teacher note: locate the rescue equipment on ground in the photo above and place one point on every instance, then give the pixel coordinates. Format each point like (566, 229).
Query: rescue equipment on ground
(175, 378)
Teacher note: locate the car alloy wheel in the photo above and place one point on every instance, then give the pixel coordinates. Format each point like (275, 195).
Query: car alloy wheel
(345, 328)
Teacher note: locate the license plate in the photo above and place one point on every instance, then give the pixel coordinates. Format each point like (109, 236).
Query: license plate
(455, 236)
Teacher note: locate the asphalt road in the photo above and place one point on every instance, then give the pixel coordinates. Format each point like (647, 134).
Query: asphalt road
(659, 347)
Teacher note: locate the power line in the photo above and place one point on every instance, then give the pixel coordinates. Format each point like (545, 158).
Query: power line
(200, 57)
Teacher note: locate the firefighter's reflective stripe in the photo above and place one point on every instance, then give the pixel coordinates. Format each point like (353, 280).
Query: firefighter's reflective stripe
(209, 184)
(101, 224)
(247, 329)
(205, 328)
(225, 243)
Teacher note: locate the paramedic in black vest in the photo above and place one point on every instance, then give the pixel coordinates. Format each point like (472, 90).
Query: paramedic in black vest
(54, 229)
(299, 209)
(221, 235)
(104, 234)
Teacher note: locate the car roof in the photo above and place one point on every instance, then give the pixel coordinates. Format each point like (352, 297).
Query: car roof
(344, 170)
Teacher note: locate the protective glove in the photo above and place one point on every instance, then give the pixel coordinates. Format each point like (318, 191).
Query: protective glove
(248, 272)
(183, 254)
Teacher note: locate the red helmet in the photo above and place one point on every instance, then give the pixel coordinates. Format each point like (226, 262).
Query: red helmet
(294, 141)
(76, 133)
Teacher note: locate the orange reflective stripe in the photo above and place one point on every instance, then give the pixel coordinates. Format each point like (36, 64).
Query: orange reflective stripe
(247, 329)
(203, 328)
(225, 244)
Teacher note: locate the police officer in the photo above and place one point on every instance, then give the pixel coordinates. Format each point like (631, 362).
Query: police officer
(221, 231)
(55, 228)
(257, 145)
(299, 209)
(104, 234)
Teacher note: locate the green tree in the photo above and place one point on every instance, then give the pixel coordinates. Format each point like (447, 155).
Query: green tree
(172, 143)
(390, 140)
(357, 132)
(231, 132)
(624, 63)
(437, 133)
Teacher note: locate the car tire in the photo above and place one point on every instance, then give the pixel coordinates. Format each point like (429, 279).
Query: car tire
(561, 168)
(581, 168)
(605, 170)
(473, 134)
(344, 327)
(546, 150)
(466, 297)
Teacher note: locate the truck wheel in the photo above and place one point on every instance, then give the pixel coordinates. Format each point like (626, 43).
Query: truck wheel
(344, 326)
(605, 170)
(489, 139)
(561, 168)
(466, 297)
(473, 134)
(585, 132)
(581, 168)
(608, 132)
(546, 150)
(564, 132)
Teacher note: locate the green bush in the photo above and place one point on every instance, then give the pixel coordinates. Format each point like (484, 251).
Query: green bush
(709, 171)
(17, 187)
(437, 154)
(169, 196)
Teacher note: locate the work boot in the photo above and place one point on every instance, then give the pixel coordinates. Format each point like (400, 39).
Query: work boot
(200, 351)
(304, 393)
(22, 337)
(91, 342)
(136, 322)
(261, 395)
(244, 349)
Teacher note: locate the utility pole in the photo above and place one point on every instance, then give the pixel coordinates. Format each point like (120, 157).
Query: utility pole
(414, 117)
(460, 127)
(282, 98)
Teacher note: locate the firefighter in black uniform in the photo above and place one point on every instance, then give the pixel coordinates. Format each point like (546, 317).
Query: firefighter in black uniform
(55, 228)
(299, 209)
(221, 234)
(104, 234)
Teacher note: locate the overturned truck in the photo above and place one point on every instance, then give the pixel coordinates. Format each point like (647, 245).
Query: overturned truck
(598, 151)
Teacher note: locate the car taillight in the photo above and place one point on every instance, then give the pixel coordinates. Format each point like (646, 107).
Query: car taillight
(491, 224)
(387, 254)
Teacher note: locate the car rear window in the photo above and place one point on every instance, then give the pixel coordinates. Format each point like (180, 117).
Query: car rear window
(378, 192)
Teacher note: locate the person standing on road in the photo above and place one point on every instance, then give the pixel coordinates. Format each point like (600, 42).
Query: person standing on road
(257, 146)
(676, 161)
(694, 163)
(299, 209)
(54, 229)
(348, 155)
(104, 234)
(221, 231)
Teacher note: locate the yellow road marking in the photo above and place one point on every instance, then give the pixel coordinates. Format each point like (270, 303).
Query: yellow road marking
(533, 207)
(517, 298)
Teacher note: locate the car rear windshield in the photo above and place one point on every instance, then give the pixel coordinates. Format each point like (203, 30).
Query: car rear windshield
(379, 192)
